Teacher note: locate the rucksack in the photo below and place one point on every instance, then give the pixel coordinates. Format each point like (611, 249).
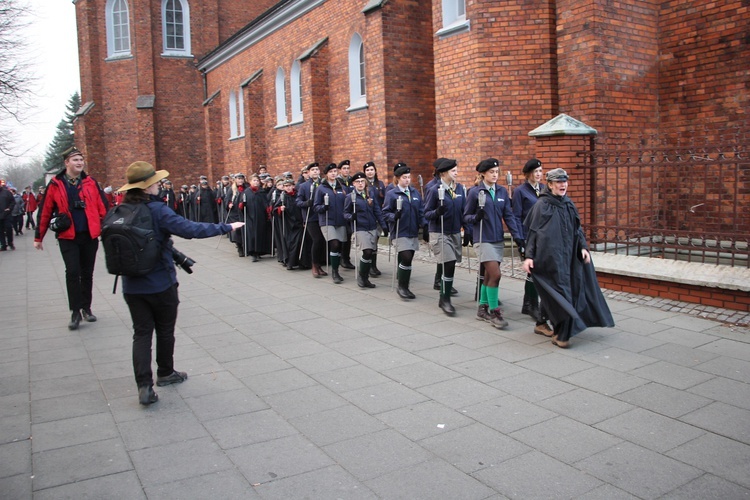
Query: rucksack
(129, 240)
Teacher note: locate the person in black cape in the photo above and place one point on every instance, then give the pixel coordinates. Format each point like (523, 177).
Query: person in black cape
(558, 258)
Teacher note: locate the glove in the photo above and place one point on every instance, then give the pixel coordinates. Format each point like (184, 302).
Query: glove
(479, 215)
(521, 244)
(242, 206)
(468, 240)
(397, 215)
(441, 209)
(218, 201)
(385, 232)
(426, 233)
(326, 208)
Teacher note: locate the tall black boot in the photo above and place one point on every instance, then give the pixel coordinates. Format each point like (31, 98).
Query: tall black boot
(363, 276)
(404, 276)
(374, 271)
(445, 297)
(438, 277)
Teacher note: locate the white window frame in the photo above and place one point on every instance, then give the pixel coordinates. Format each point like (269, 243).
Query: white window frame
(240, 113)
(281, 98)
(357, 74)
(295, 87)
(186, 50)
(454, 18)
(114, 52)
(232, 115)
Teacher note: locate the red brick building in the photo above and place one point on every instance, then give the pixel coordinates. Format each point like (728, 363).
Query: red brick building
(216, 86)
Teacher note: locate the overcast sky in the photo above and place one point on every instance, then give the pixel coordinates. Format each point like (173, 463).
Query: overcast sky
(51, 36)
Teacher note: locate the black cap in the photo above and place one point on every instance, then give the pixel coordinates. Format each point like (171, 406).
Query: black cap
(345, 162)
(400, 169)
(313, 164)
(531, 165)
(368, 164)
(358, 175)
(444, 164)
(329, 167)
(487, 164)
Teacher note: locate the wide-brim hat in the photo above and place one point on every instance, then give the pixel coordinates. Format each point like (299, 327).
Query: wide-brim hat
(141, 175)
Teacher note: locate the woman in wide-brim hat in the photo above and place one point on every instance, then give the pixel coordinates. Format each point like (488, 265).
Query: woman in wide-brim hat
(152, 299)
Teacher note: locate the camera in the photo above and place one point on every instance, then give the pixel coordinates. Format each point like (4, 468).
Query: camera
(79, 204)
(182, 260)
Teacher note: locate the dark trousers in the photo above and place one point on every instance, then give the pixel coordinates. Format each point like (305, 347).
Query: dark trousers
(6, 231)
(79, 255)
(30, 220)
(18, 223)
(318, 247)
(155, 311)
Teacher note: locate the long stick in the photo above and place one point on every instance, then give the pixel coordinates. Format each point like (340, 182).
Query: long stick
(441, 197)
(225, 221)
(399, 204)
(509, 181)
(481, 197)
(328, 240)
(244, 216)
(307, 217)
(354, 218)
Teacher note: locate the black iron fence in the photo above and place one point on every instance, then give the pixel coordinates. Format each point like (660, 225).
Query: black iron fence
(675, 202)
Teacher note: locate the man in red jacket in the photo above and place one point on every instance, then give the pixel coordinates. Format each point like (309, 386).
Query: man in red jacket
(75, 196)
(31, 205)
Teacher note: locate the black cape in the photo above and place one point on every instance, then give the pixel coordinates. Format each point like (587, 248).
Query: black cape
(568, 288)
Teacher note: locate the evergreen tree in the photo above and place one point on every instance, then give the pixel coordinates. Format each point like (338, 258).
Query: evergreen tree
(64, 137)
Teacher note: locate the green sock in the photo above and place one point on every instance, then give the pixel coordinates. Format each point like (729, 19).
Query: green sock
(335, 260)
(492, 293)
(483, 296)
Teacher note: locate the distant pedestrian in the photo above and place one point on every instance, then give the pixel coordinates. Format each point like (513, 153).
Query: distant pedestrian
(7, 202)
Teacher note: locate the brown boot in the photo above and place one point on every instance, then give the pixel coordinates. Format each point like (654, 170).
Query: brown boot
(483, 313)
(497, 318)
(543, 329)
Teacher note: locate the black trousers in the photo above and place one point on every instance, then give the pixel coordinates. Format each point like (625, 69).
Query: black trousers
(6, 231)
(30, 220)
(318, 247)
(79, 255)
(149, 312)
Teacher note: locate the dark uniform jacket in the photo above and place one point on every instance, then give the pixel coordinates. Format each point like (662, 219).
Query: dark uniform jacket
(412, 218)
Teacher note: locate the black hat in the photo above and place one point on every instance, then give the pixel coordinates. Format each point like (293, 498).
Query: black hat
(531, 165)
(368, 164)
(239, 175)
(72, 151)
(313, 164)
(345, 162)
(288, 181)
(557, 175)
(400, 169)
(288, 175)
(184, 186)
(224, 177)
(487, 164)
(329, 167)
(203, 178)
(444, 164)
(358, 175)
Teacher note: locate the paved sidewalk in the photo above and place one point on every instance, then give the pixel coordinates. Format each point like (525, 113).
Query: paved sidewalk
(300, 388)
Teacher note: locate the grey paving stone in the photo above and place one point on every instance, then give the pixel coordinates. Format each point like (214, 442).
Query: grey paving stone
(421, 374)
(632, 342)
(424, 419)
(487, 369)
(350, 378)
(585, 406)
(519, 477)
(13, 355)
(386, 359)
(357, 346)
(689, 323)
(126, 484)
(641, 326)
(304, 401)
(16, 487)
(266, 363)
(372, 455)
(708, 486)
(419, 341)
(679, 354)
(532, 386)
(729, 348)
(618, 359)
(242, 351)
(97, 459)
(671, 375)
(326, 483)
(16, 458)
(508, 414)
(725, 390)
(650, 430)
(664, 400)
(112, 354)
(723, 419)
(555, 365)
(474, 447)
(383, 397)
(225, 404)
(280, 458)
(322, 362)
(450, 353)
(638, 470)
(178, 461)
(161, 430)
(63, 369)
(338, 424)
(475, 339)
(735, 369)
(73, 431)
(249, 428)
(128, 408)
(608, 492)
(603, 380)
(225, 483)
(432, 479)
(461, 392)
(66, 386)
(580, 440)
(683, 337)
(512, 351)
(14, 385)
(14, 404)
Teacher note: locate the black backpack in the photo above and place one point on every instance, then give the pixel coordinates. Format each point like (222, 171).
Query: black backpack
(129, 240)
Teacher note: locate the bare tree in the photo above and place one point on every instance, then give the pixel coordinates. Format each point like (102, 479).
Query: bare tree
(16, 78)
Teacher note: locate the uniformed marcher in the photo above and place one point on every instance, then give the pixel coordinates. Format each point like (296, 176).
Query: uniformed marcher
(489, 241)
(377, 189)
(257, 223)
(345, 180)
(404, 224)
(223, 196)
(313, 246)
(206, 203)
(524, 198)
(237, 213)
(329, 206)
(435, 181)
(292, 225)
(558, 258)
(445, 221)
(276, 223)
(367, 214)
(168, 195)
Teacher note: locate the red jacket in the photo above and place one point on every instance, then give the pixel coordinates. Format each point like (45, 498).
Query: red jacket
(31, 204)
(57, 201)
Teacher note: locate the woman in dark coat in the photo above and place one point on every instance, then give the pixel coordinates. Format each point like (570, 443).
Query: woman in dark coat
(291, 227)
(258, 226)
(559, 261)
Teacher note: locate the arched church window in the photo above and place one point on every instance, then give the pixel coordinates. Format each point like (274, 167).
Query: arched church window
(176, 27)
(295, 84)
(118, 28)
(280, 98)
(357, 78)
